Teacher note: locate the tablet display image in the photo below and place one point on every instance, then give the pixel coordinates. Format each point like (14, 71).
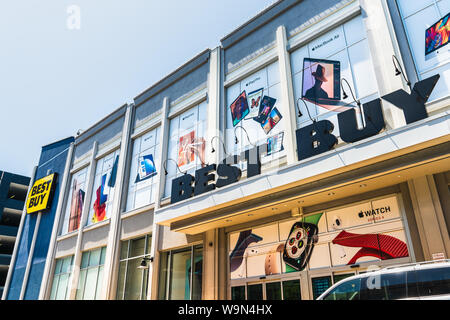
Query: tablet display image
(185, 156)
(272, 120)
(321, 81)
(275, 144)
(437, 35)
(147, 167)
(239, 108)
(265, 108)
(254, 100)
(191, 147)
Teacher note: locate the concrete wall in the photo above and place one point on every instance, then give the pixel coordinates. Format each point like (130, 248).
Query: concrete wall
(260, 32)
(187, 78)
(102, 132)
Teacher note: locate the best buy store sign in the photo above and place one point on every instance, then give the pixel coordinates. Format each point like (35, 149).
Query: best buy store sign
(41, 194)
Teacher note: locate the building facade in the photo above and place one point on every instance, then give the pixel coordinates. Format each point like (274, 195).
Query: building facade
(13, 190)
(31, 250)
(311, 145)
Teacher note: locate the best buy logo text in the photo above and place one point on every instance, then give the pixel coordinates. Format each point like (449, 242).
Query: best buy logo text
(40, 195)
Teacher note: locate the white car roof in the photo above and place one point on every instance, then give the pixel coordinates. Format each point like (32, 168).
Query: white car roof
(394, 269)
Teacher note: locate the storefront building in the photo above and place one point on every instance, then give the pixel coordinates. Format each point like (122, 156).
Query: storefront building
(289, 157)
(31, 251)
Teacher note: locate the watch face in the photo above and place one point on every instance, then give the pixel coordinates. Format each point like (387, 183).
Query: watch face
(299, 245)
(296, 243)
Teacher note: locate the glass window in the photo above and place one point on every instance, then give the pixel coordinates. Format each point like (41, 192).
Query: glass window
(255, 292)
(187, 144)
(180, 275)
(339, 277)
(133, 281)
(197, 274)
(90, 286)
(411, 285)
(94, 258)
(136, 281)
(273, 291)
(254, 114)
(349, 290)
(137, 247)
(348, 45)
(434, 281)
(395, 284)
(103, 190)
(320, 285)
(291, 290)
(75, 201)
(143, 171)
(238, 293)
(99, 281)
(61, 279)
(178, 279)
(91, 275)
(417, 19)
(391, 286)
(163, 275)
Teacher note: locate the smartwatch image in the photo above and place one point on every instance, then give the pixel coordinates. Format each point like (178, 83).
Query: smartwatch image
(300, 243)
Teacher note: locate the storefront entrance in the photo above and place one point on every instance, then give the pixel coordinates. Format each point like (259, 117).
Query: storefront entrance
(299, 258)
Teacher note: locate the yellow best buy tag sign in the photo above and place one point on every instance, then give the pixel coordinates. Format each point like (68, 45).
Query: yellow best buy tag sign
(41, 194)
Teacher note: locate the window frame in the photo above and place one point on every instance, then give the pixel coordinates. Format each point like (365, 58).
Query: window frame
(57, 277)
(171, 163)
(68, 200)
(130, 176)
(231, 132)
(403, 18)
(98, 284)
(115, 153)
(147, 246)
(326, 115)
(281, 281)
(168, 278)
(410, 55)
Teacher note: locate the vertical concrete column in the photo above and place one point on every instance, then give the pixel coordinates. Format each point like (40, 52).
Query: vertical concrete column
(304, 286)
(215, 139)
(73, 280)
(383, 45)
(112, 249)
(109, 284)
(49, 262)
(30, 256)
(288, 107)
(429, 216)
(153, 271)
(16, 243)
(210, 283)
(222, 264)
(214, 135)
(444, 194)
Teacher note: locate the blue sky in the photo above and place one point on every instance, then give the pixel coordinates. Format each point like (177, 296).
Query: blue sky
(55, 80)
